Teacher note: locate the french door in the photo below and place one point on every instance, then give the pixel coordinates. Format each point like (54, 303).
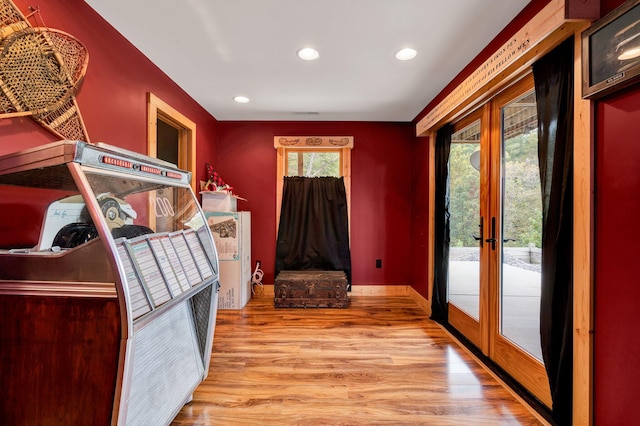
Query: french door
(495, 232)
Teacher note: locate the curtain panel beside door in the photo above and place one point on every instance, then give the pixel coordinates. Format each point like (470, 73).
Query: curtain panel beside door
(553, 76)
(439, 302)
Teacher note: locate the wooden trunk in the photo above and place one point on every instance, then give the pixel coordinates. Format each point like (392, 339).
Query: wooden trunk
(311, 289)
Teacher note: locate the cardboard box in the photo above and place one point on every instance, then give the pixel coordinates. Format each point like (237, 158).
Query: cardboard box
(219, 201)
(232, 237)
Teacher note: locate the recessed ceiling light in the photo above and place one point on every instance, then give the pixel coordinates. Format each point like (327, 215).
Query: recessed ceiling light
(406, 54)
(241, 99)
(308, 54)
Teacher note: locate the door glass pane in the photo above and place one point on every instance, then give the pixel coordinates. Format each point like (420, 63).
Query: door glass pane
(464, 192)
(521, 225)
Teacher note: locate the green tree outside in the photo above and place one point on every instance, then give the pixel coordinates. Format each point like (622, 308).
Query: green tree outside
(314, 163)
(522, 220)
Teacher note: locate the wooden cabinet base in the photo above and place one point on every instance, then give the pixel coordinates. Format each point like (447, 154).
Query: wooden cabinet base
(59, 358)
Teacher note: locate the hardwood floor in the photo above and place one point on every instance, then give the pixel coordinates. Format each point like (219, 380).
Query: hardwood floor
(380, 361)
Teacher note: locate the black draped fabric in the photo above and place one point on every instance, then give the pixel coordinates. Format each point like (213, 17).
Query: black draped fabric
(439, 303)
(314, 227)
(553, 75)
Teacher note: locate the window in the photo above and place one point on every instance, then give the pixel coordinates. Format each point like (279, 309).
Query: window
(313, 156)
(310, 163)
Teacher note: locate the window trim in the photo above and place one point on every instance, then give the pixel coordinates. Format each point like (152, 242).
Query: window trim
(286, 144)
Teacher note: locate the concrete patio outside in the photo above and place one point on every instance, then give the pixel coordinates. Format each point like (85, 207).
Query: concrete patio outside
(520, 300)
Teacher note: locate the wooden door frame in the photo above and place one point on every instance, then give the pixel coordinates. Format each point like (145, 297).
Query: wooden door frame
(158, 109)
(543, 32)
(522, 366)
(486, 334)
(474, 330)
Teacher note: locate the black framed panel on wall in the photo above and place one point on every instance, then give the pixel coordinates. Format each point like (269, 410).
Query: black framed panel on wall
(611, 51)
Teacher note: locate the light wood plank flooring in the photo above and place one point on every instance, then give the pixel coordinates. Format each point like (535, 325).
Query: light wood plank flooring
(379, 362)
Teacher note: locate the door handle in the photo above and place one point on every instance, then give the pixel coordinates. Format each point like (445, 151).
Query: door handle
(481, 226)
(492, 240)
(506, 240)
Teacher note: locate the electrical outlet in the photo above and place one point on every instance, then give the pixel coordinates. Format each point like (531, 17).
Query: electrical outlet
(378, 263)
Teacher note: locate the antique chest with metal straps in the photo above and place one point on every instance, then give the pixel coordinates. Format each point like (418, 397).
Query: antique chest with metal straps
(311, 289)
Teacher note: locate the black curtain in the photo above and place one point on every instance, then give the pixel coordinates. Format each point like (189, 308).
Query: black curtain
(314, 227)
(439, 309)
(553, 75)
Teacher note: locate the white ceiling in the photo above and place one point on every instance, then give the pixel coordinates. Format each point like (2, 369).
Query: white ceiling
(217, 49)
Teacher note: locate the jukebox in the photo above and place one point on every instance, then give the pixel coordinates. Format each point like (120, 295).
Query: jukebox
(108, 287)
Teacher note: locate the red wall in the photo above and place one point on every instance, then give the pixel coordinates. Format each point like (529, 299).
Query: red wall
(420, 216)
(381, 162)
(607, 6)
(617, 270)
(112, 98)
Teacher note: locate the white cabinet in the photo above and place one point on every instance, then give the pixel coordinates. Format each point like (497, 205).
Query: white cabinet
(232, 235)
